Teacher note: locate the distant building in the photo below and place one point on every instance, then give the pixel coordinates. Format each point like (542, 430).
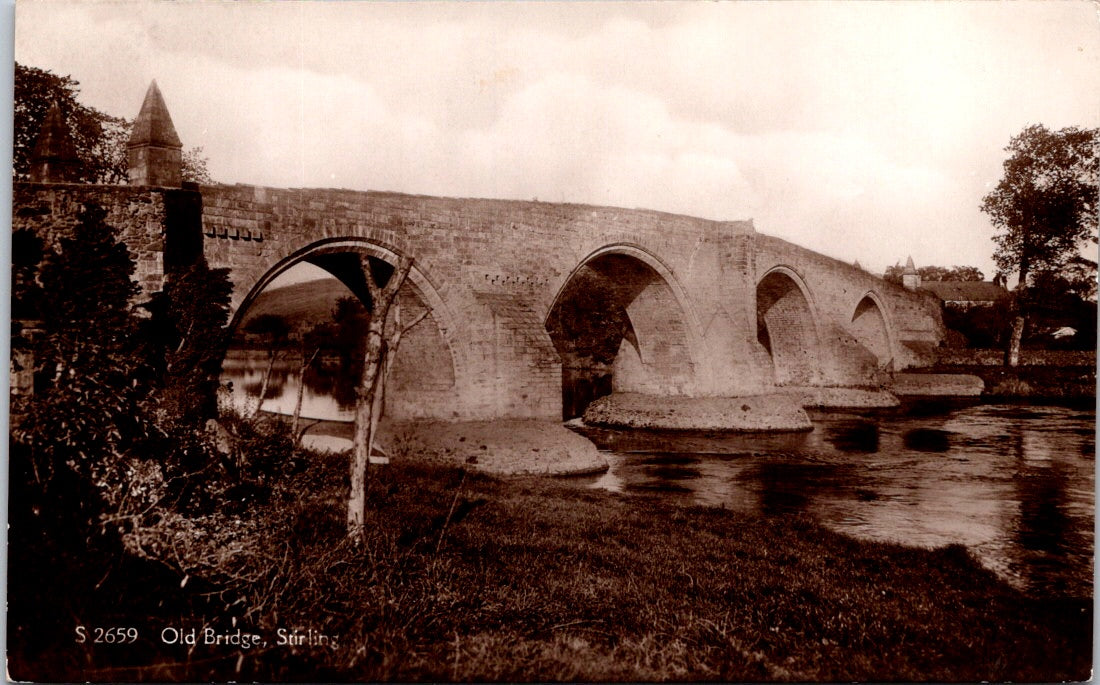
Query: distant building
(963, 295)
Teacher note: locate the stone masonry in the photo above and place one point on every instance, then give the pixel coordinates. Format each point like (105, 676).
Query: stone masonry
(715, 308)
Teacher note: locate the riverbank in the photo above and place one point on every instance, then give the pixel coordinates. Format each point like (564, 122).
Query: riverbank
(469, 577)
(500, 447)
(930, 384)
(1030, 382)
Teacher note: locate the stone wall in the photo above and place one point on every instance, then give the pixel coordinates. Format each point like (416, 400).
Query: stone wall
(490, 272)
(912, 319)
(147, 220)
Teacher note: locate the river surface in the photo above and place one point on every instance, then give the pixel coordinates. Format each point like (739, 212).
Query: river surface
(1013, 483)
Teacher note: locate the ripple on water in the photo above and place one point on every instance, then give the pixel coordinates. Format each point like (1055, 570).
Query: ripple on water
(1014, 484)
(656, 487)
(854, 436)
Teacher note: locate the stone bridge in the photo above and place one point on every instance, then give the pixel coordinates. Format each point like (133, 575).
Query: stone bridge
(664, 305)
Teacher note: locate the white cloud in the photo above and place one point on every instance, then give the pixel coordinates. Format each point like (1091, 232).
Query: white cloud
(868, 131)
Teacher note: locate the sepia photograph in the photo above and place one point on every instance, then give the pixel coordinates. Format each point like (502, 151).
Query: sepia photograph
(552, 341)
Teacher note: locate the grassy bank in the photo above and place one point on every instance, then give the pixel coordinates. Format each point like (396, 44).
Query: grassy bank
(1032, 382)
(466, 577)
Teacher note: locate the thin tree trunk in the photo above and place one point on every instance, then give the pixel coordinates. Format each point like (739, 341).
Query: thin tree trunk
(389, 353)
(264, 382)
(1019, 319)
(360, 458)
(1012, 354)
(369, 386)
(377, 406)
(301, 391)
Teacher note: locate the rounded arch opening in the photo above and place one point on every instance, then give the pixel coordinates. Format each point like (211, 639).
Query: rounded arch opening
(786, 327)
(280, 319)
(619, 325)
(869, 327)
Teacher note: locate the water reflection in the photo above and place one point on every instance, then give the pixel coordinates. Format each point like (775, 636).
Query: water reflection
(853, 435)
(328, 394)
(1012, 483)
(927, 440)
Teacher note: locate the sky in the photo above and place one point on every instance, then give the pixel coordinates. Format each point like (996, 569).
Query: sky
(866, 131)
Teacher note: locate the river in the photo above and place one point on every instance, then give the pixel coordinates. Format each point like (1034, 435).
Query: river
(1013, 483)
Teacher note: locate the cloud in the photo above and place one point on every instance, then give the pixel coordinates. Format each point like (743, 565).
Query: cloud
(866, 131)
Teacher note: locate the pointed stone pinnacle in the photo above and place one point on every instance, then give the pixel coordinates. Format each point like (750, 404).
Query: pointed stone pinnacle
(153, 125)
(54, 157)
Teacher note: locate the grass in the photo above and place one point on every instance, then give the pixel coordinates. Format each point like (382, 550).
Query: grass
(1033, 382)
(469, 578)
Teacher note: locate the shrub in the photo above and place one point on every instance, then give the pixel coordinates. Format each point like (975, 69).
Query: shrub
(1012, 387)
(84, 418)
(186, 336)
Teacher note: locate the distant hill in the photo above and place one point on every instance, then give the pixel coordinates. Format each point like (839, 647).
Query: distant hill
(301, 304)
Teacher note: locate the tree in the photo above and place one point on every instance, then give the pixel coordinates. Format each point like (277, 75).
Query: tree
(378, 350)
(1063, 299)
(194, 166)
(1044, 209)
(965, 273)
(85, 411)
(95, 135)
(100, 139)
(27, 251)
(310, 344)
(936, 273)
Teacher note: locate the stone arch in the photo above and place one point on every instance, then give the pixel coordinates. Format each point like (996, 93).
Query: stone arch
(621, 322)
(429, 371)
(870, 327)
(787, 326)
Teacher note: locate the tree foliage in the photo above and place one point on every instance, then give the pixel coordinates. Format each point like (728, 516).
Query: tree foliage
(588, 323)
(119, 398)
(1045, 211)
(100, 139)
(27, 251)
(1045, 206)
(85, 412)
(273, 329)
(194, 166)
(937, 273)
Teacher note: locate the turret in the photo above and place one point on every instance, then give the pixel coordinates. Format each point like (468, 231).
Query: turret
(155, 151)
(54, 158)
(910, 278)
